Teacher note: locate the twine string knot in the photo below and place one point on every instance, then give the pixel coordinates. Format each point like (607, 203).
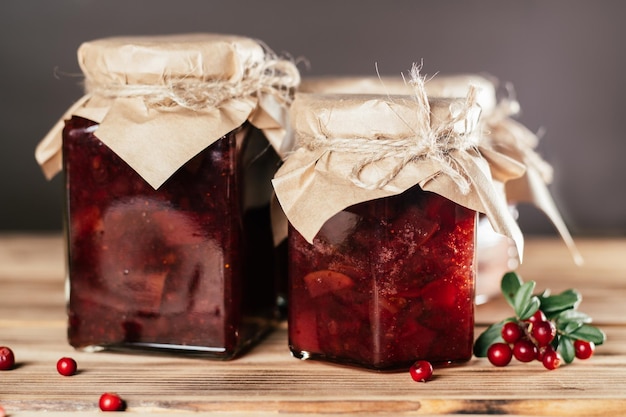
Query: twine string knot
(273, 76)
(436, 144)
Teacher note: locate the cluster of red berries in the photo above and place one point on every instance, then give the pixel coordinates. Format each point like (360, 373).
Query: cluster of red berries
(532, 339)
(67, 367)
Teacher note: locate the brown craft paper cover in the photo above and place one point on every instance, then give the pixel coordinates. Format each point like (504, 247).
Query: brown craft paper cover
(160, 100)
(500, 131)
(325, 175)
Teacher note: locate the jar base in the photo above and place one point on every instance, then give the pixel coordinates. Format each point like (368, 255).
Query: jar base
(252, 336)
(166, 349)
(384, 367)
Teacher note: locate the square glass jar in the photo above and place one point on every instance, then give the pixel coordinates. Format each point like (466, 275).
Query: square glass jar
(382, 196)
(187, 267)
(386, 282)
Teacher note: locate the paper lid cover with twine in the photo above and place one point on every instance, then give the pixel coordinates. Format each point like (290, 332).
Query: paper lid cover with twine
(355, 148)
(500, 131)
(159, 100)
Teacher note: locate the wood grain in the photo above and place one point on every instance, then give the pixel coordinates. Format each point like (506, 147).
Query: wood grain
(268, 381)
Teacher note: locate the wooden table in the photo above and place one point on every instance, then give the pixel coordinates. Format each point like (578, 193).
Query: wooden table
(268, 381)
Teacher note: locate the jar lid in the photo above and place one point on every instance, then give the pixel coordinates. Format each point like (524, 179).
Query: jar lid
(500, 131)
(162, 59)
(356, 148)
(160, 100)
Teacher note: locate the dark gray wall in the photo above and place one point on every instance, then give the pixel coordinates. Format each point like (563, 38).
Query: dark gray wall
(566, 59)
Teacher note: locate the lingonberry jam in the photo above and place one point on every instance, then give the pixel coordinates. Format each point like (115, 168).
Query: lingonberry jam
(186, 267)
(385, 283)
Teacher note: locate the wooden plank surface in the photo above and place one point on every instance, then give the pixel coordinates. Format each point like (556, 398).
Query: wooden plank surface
(268, 381)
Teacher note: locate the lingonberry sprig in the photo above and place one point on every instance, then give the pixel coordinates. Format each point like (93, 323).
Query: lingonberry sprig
(546, 327)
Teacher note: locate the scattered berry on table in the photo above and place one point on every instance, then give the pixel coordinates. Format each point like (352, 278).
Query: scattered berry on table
(421, 371)
(66, 366)
(111, 402)
(7, 358)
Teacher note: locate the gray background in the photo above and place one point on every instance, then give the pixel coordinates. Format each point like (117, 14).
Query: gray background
(565, 58)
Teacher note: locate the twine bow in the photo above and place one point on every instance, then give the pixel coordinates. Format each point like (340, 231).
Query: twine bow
(426, 143)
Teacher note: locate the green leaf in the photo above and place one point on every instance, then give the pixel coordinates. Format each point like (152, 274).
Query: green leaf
(523, 298)
(589, 333)
(490, 336)
(568, 327)
(566, 349)
(509, 285)
(552, 305)
(572, 316)
(531, 308)
(569, 320)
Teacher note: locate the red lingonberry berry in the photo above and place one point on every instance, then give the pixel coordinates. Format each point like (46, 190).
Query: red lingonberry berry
(541, 351)
(543, 332)
(111, 402)
(584, 349)
(66, 366)
(511, 332)
(421, 371)
(551, 359)
(7, 358)
(499, 354)
(537, 317)
(524, 350)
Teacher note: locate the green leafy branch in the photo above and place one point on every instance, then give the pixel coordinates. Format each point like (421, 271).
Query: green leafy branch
(561, 309)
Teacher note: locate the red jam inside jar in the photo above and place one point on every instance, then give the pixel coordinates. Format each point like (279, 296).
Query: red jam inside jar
(385, 283)
(187, 267)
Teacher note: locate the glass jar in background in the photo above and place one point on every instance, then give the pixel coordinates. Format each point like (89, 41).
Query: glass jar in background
(381, 250)
(495, 255)
(168, 194)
